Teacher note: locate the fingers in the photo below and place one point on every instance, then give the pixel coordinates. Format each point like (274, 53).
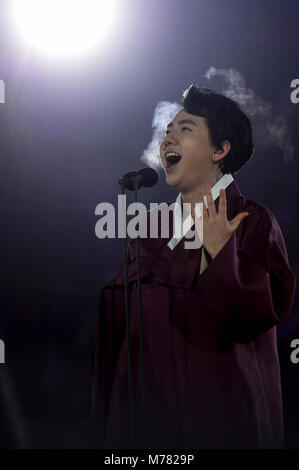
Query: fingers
(222, 207)
(204, 211)
(210, 202)
(192, 211)
(210, 209)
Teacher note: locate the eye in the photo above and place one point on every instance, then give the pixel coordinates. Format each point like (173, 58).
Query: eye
(166, 132)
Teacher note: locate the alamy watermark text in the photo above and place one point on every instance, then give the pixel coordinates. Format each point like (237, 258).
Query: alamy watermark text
(2, 92)
(2, 352)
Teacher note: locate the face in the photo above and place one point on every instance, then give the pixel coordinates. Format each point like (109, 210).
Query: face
(193, 144)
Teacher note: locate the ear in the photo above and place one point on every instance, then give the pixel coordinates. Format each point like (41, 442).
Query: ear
(223, 151)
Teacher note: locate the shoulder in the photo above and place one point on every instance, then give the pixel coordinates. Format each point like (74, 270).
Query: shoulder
(260, 217)
(259, 234)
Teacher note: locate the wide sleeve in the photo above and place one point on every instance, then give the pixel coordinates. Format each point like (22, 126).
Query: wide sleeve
(251, 278)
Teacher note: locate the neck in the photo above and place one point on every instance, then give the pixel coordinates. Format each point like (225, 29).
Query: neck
(193, 195)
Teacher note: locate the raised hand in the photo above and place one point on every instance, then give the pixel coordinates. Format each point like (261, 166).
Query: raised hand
(216, 229)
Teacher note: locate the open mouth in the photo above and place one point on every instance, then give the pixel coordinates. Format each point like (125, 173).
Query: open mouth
(172, 160)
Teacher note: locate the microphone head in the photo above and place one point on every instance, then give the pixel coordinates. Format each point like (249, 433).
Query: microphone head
(145, 177)
(149, 177)
(129, 178)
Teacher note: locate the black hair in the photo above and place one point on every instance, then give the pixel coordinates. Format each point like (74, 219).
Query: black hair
(225, 121)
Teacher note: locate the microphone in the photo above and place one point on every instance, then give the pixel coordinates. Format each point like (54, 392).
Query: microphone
(146, 177)
(133, 180)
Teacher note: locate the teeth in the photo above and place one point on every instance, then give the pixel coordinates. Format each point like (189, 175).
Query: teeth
(172, 154)
(172, 157)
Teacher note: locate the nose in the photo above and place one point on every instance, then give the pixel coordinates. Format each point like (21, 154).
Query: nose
(168, 139)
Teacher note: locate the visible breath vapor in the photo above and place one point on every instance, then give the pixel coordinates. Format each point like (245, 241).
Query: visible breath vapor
(268, 129)
(163, 114)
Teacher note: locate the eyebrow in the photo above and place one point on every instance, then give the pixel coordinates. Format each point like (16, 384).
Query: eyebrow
(183, 121)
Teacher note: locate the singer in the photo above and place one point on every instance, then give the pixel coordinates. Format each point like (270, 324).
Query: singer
(209, 314)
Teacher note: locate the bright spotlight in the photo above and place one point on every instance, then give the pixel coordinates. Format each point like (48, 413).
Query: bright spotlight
(63, 27)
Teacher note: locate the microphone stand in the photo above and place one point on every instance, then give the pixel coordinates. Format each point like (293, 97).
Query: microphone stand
(140, 318)
(130, 423)
(133, 180)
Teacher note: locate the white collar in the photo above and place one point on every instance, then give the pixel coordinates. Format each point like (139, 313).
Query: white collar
(222, 183)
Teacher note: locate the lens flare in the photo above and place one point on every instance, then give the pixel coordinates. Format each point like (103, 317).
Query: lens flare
(63, 27)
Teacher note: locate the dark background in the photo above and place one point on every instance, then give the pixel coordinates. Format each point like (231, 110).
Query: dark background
(68, 131)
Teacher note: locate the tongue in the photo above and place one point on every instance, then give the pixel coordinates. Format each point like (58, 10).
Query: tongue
(173, 160)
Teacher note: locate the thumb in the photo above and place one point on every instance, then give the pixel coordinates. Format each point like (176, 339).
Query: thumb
(238, 219)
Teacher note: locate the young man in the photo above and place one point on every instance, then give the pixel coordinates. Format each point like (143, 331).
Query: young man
(209, 314)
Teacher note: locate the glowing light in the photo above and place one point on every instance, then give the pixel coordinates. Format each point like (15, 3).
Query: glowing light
(63, 27)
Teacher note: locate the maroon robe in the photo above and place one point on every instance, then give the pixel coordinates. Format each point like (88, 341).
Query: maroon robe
(211, 362)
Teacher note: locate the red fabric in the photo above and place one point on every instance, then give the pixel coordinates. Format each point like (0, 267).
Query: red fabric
(212, 369)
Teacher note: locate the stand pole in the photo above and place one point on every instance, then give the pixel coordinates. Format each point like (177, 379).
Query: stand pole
(130, 422)
(141, 343)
